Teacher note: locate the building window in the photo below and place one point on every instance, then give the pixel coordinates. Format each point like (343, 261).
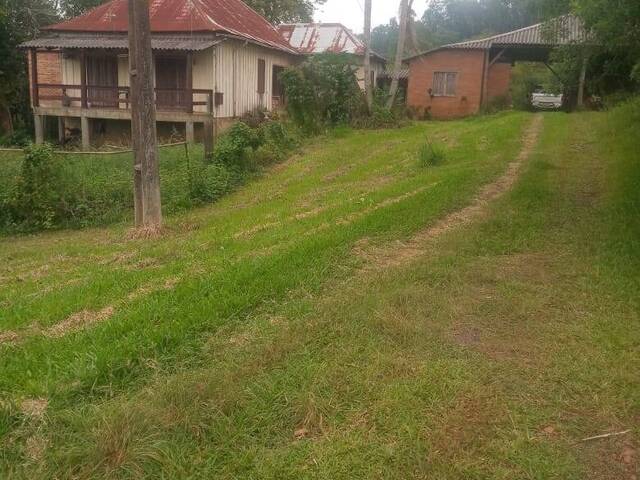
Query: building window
(444, 84)
(262, 74)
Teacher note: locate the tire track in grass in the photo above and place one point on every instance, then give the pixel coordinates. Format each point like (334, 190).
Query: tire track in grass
(401, 252)
(85, 319)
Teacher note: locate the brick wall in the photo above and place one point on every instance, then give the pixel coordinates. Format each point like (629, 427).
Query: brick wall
(499, 80)
(469, 66)
(49, 71)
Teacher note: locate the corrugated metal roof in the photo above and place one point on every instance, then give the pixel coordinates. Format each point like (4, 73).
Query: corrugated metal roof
(310, 38)
(565, 30)
(402, 74)
(121, 42)
(182, 16)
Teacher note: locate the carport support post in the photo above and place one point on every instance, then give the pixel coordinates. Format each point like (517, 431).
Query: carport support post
(85, 126)
(189, 132)
(38, 122)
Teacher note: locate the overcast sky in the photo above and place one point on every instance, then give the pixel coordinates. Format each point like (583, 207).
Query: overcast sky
(350, 12)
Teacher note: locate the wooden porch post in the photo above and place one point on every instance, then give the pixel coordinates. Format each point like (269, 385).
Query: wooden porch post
(85, 127)
(189, 133)
(189, 81)
(83, 78)
(35, 90)
(61, 131)
(208, 138)
(38, 121)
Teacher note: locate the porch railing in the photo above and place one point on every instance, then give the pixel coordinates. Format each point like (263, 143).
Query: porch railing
(96, 96)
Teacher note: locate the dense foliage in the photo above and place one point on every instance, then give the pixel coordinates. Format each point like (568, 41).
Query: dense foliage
(19, 21)
(284, 11)
(46, 190)
(323, 91)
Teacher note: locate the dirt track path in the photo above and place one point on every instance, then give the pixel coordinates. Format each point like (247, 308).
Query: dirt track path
(399, 252)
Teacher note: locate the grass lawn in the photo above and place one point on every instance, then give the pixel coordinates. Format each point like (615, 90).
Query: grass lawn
(266, 336)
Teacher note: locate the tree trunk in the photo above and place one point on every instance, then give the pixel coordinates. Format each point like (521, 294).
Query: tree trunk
(368, 84)
(404, 15)
(143, 118)
(582, 80)
(6, 120)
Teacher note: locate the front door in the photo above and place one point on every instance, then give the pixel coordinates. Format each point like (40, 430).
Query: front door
(102, 81)
(171, 83)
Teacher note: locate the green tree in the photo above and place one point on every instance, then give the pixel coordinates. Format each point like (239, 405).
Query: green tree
(20, 20)
(73, 8)
(284, 11)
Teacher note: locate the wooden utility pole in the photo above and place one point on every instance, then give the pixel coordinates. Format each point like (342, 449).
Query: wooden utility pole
(146, 171)
(402, 37)
(368, 83)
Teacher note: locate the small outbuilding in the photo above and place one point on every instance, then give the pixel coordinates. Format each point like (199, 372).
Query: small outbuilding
(460, 79)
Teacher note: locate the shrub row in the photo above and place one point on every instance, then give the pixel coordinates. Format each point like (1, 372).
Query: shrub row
(49, 191)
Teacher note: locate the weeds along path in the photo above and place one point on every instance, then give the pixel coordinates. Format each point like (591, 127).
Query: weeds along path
(401, 252)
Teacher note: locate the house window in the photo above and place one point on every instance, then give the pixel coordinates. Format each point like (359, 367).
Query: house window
(444, 84)
(262, 73)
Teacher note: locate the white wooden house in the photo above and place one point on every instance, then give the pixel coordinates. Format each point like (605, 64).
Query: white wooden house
(214, 61)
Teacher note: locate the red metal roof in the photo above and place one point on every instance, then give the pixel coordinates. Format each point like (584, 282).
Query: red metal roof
(310, 38)
(180, 16)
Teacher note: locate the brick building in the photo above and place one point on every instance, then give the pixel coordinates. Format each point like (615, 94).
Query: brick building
(460, 79)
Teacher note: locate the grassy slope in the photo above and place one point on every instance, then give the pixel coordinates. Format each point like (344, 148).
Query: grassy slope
(309, 213)
(485, 358)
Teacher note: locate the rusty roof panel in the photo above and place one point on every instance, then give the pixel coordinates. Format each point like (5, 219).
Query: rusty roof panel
(310, 38)
(121, 42)
(182, 16)
(565, 30)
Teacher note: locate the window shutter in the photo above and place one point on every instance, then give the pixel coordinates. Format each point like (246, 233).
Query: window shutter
(438, 83)
(451, 84)
(262, 67)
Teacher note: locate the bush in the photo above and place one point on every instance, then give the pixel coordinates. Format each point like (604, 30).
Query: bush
(208, 183)
(431, 155)
(37, 197)
(381, 117)
(323, 91)
(19, 138)
(498, 104)
(231, 148)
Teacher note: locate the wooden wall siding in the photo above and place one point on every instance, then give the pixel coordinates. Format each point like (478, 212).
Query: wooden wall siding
(236, 76)
(378, 69)
(231, 68)
(203, 76)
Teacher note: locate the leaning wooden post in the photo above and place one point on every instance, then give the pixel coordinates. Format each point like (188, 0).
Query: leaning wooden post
(405, 6)
(143, 117)
(368, 87)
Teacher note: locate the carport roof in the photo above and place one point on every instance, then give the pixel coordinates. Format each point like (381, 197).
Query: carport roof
(564, 30)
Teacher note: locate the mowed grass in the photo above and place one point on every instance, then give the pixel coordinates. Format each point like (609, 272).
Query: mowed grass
(260, 343)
